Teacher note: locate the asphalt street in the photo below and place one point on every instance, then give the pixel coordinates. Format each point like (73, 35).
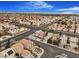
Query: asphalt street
(51, 51)
(21, 35)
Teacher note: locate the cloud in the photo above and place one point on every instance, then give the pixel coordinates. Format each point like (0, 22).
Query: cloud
(36, 5)
(41, 4)
(67, 12)
(70, 9)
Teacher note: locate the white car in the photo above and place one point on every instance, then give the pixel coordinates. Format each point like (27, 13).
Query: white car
(61, 56)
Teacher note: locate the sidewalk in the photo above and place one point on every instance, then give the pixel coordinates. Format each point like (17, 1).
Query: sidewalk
(72, 49)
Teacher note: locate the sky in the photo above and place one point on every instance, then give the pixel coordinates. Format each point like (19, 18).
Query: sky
(40, 6)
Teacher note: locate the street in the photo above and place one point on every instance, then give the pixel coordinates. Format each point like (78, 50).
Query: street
(52, 51)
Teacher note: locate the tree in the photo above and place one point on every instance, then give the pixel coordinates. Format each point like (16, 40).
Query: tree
(56, 42)
(78, 43)
(68, 41)
(49, 41)
(46, 33)
(75, 48)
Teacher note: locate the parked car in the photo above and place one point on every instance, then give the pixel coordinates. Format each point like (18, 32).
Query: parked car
(61, 56)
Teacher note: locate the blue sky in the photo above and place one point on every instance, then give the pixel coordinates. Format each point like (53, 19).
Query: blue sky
(40, 6)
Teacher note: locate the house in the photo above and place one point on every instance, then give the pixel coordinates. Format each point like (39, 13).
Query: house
(73, 42)
(28, 44)
(40, 34)
(63, 40)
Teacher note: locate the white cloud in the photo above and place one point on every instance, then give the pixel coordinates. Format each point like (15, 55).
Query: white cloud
(70, 9)
(67, 12)
(41, 4)
(36, 5)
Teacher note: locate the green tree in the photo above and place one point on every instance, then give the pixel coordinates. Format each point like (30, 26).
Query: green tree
(49, 41)
(68, 41)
